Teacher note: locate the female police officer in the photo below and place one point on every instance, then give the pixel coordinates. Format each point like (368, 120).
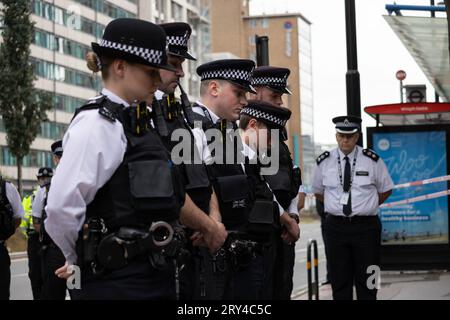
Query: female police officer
(116, 187)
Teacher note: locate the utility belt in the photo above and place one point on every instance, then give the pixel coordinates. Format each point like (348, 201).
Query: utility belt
(236, 253)
(158, 244)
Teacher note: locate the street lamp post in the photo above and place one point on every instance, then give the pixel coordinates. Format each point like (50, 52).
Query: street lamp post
(352, 76)
(401, 75)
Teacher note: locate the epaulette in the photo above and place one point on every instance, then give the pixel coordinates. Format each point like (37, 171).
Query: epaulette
(106, 112)
(322, 157)
(371, 154)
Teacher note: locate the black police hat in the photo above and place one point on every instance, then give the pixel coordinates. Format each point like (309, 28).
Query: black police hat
(236, 71)
(273, 116)
(347, 124)
(178, 34)
(136, 41)
(273, 77)
(57, 149)
(45, 172)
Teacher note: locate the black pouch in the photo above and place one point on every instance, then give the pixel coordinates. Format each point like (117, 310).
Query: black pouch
(234, 190)
(111, 254)
(151, 185)
(197, 176)
(261, 220)
(296, 180)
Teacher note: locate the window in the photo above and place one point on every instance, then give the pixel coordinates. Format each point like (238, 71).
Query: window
(252, 23)
(52, 71)
(177, 11)
(265, 23)
(60, 16)
(107, 8)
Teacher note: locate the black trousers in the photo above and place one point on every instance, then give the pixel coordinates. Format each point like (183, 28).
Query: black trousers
(325, 238)
(137, 281)
(5, 272)
(283, 270)
(353, 246)
(53, 288)
(35, 265)
(246, 283)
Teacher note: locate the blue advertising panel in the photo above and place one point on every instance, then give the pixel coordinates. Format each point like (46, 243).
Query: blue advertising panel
(414, 156)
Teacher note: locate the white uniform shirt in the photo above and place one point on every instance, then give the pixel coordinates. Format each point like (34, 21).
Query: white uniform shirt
(199, 135)
(38, 203)
(13, 197)
(94, 148)
(369, 179)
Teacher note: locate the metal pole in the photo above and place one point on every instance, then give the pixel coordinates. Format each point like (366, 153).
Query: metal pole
(433, 14)
(262, 50)
(352, 75)
(436, 96)
(401, 91)
(313, 287)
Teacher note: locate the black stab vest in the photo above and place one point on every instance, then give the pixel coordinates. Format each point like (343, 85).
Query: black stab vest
(286, 182)
(146, 187)
(195, 175)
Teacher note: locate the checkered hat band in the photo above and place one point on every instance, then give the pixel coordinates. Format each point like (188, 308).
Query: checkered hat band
(231, 74)
(271, 81)
(263, 115)
(177, 41)
(150, 55)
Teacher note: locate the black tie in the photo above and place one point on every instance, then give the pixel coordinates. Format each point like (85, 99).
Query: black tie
(347, 207)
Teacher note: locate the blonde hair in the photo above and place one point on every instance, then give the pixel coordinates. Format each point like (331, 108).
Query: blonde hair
(97, 64)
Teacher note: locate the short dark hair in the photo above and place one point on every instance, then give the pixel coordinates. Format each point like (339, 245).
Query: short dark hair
(243, 121)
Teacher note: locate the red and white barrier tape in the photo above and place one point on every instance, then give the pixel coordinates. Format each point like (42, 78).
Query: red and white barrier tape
(422, 182)
(417, 199)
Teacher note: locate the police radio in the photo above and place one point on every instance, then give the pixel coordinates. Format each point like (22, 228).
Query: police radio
(139, 118)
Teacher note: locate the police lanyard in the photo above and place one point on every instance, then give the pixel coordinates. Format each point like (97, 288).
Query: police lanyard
(353, 169)
(206, 113)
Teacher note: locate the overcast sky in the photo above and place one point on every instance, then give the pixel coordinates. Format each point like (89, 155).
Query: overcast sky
(380, 55)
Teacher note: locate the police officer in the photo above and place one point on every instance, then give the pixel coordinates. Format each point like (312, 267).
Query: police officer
(116, 194)
(34, 246)
(352, 182)
(53, 288)
(271, 84)
(169, 114)
(258, 121)
(11, 212)
(224, 84)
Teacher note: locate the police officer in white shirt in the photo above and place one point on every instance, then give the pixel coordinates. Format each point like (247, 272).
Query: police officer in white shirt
(11, 205)
(352, 182)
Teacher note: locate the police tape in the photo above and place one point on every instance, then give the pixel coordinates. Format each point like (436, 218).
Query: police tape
(417, 199)
(422, 182)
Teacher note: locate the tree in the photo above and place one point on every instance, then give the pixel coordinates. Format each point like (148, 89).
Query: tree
(22, 107)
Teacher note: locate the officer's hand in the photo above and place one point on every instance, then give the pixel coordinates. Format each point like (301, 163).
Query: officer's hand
(63, 272)
(292, 233)
(197, 239)
(215, 236)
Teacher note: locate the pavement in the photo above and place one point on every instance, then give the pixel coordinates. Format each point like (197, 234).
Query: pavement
(431, 285)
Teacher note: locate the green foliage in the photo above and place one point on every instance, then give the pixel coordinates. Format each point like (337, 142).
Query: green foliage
(22, 107)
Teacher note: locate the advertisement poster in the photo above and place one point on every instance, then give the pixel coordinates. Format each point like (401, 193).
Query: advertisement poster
(410, 157)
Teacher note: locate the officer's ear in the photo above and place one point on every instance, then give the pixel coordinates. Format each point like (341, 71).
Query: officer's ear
(252, 124)
(118, 67)
(214, 88)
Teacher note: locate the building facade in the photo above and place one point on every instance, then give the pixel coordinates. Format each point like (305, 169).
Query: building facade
(64, 30)
(234, 30)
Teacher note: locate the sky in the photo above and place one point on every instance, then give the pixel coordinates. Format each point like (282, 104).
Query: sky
(380, 55)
